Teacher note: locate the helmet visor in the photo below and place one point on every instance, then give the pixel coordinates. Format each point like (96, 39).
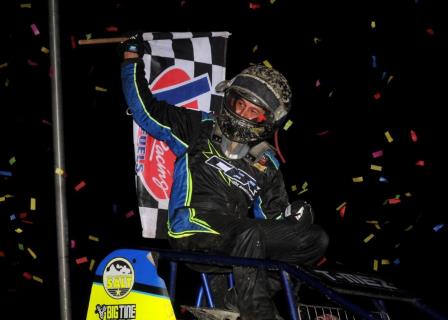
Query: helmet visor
(247, 107)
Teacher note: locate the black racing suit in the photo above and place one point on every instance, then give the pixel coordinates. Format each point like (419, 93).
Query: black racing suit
(211, 196)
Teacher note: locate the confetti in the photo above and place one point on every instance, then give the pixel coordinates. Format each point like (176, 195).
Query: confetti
(293, 187)
(376, 167)
(254, 6)
(44, 50)
(358, 179)
(374, 65)
(375, 265)
(388, 137)
(287, 125)
(129, 214)
(31, 252)
(377, 154)
(317, 84)
(100, 89)
(27, 275)
(342, 212)
(33, 204)
(80, 185)
(255, 48)
(409, 228)
(396, 261)
(92, 263)
(93, 238)
(81, 260)
(393, 201)
(5, 173)
(32, 63)
(438, 227)
(420, 163)
(25, 5)
(368, 238)
(59, 171)
(3, 65)
(112, 29)
(73, 42)
(321, 261)
(72, 244)
(2, 253)
(373, 24)
(430, 31)
(383, 179)
(385, 262)
(12, 160)
(18, 230)
(36, 278)
(267, 63)
(35, 29)
(20, 246)
(413, 136)
(377, 96)
(343, 204)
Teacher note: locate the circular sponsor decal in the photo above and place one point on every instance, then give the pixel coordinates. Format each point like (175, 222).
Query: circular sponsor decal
(118, 278)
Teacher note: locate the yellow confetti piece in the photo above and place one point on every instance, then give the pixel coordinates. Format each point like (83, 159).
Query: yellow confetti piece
(93, 238)
(2, 199)
(21, 248)
(287, 125)
(368, 238)
(31, 252)
(59, 171)
(92, 263)
(255, 48)
(25, 5)
(12, 160)
(409, 228)
(358, 179)
(33, 204)
(44, 50)
(100, 89)
(408, 194)
(88, 36)
(375, 265)
(377, 226)
(18, 230)
(343, 204)
(373, 24)
(305, 185)
(375, 167)
(293, 187)
(272, 1)
(3, 65)
(36, 278)
(388, 137)
(385, 261)
(391, 77)
(372, 221)
(267, 63)
(316, 40)
(302, 191)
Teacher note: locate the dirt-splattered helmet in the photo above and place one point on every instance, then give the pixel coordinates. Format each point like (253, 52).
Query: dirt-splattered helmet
(265, 87)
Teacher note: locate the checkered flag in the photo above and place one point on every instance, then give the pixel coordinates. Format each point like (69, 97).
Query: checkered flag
(182, 68)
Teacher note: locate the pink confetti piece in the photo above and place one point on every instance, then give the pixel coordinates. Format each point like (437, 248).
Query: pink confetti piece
(254, 6)
(129, 214)
(413, 136)
(393, 201)
(72, 244)
(377, 96)
(342, 212)
(27, 275)
(73, 42)
(377, 154)
(317, 83)
(111, 29)
(420, 163)
(323, 133)
(81, 260)
(35, 29)
(51, 72)
(321, 261)
(22, 215)
(80, 185)
(32, 63)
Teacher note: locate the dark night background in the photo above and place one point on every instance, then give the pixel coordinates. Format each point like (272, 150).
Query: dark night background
(351, 82)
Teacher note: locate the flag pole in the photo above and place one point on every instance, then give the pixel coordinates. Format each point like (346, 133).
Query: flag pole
(102, 40)
(59, 162)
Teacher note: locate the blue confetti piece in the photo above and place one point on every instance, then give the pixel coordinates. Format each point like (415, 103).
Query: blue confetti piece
(382, 179)
(374, 66)
(5, 173)
(438, 227)
(12, 217)
(397, 261)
